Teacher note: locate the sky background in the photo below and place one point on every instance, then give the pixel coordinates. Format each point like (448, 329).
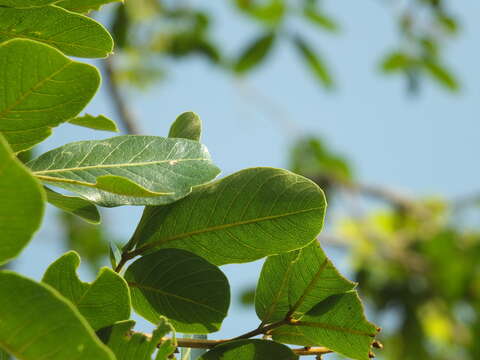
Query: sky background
(424, 145)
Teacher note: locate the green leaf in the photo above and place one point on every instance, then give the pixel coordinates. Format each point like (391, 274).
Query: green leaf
(337, 323)
(74, 205)
(395, 61)
(129, 345)
(4, 355)
(250, 349)
(314, 62)
(37, 323)
(182, 286)
(320, 19)
(39, 89)
(255, 53)
(442, 75)
(26, 3)
(84, 6)
(73, 34)
(21, 205)
(127, 170)
(102, 303)
(99, 122)
(248, 215)
(187, 126)
(295, 282)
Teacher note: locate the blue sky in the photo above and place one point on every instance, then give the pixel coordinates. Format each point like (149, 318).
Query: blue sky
(425, 145)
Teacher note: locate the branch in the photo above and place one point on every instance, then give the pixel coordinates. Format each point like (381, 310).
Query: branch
(126, 117)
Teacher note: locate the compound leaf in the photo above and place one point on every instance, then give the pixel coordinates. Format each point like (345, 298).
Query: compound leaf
(127, 170)
(248, 215)
(187, 289)
(72, 34)
(250, 349)
(21, 206)
(103, 302)
(38, 323)
(74, 205)
(39, 89)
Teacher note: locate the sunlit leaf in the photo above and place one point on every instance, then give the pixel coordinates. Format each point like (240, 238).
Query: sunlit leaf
(39, 89)
(395, 61)
(99, 122)
(103, 302)
(74, 205)
(255, 53)
(187, 126)
(243, 217)
(127, 170)
(84, 6)
(314, 62)
(26, 3)
(73, 34)
(250, 349)
(190, 291)
(22, 202)
(442, 75)
(38, 323)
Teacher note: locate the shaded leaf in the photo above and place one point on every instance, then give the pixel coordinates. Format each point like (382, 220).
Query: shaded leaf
(120, 26)
(127, 344)
(250, 349)
(314, 62)
(248, 215)
(320, 19)
(337, 323)
(84, 6)
(295, 282)
(102, 303)
(52, 89)
(26, 3)
(255, 53)
(190, 291)
(38, 323)
(187, 126)
(74, 205)
(73, 34)
(21, 205)
(127, 170)
(4, 355)
(442, 75)
(99, 122)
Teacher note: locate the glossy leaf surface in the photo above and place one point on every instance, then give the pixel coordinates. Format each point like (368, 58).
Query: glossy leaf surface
(250, 349)
(103, 302)
(248, 215)
(127, 170)
(51, 89)
(37, 323)
(182, 286)
(72, 34)
(21, 204)
(296, 281)
(74, 205)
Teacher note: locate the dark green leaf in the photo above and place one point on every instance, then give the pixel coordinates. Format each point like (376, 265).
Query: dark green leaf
(21, 205)
(39, 89)
(73, 34)
(295, 282)
(130, 345)
(4, 355)
(187, 126)
(314, 62)
(191, 292)
(103, 302)
(320, 19)
(37, 323)
(255, 53)
(337, 323)
(84, 6)
(74, 205)
(248, 215)
(120, 26)
(99, 122)
(250, 349)
(127, 170)
(442, 75)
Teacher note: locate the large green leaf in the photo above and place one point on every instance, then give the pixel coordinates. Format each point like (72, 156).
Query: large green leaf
(26, 3)
(187, 126)
(37, 323)
(250, 349)
(39, 89)
(74, 205)
(21, 205)
(255, 53)
(295, 282)
(129, 345)
(248, 215)
(103, 302)
(99, 122)
(73, 34)
(190, 291)
(127, 170)
(337, 323)
(84, 6)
